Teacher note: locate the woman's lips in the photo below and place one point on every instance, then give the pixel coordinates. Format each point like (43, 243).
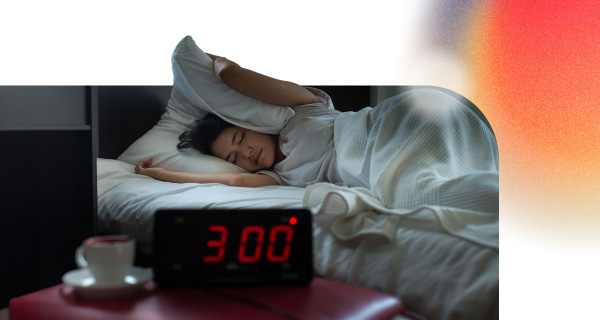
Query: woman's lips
(258, 157)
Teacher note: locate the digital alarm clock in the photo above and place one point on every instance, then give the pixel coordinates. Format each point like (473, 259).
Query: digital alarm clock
(233, 247)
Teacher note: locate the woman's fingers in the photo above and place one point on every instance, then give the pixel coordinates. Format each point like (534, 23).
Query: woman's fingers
(143, 165)
(147, 163)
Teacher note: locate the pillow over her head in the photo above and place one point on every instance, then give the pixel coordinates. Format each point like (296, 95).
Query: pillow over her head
(197, 91)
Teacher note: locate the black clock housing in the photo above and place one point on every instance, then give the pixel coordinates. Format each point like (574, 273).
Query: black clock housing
(233, 247)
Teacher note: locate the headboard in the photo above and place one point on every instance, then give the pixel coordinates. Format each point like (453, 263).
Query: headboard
(125, 113)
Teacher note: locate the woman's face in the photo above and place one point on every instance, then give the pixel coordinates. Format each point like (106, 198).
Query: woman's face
(250, 150)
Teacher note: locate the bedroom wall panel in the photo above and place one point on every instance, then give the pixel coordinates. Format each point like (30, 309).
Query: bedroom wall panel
(348, 98)
(48, 184)
(42, 107)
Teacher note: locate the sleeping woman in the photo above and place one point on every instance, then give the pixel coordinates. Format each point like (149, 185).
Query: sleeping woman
(419, 147)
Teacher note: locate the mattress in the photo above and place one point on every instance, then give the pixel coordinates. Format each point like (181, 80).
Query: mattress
(436, 274)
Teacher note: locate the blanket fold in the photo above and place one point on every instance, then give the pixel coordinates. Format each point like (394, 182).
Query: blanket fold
(359, 213)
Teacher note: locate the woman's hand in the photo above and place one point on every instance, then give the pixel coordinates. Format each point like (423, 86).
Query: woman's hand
(213, 56)
(219, 64)
(145, 168)
(222, 65)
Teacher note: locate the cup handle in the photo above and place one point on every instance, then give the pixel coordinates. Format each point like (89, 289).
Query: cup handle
(79, 259)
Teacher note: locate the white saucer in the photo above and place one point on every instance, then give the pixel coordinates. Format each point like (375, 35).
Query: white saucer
(85, 285)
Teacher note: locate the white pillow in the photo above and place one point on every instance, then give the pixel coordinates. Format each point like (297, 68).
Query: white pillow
(197, 90)
(160, 143)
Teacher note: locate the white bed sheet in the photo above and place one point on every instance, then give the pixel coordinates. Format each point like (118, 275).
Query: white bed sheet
(437, 275)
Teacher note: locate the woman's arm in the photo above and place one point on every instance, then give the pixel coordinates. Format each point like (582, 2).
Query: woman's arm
(259, 86)
(230, 179)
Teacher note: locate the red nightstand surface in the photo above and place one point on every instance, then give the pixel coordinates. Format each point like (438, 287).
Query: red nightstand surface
(322, 299)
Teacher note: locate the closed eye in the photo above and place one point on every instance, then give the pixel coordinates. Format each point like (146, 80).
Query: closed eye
(232, 143)
(241, 139)
(229, 156)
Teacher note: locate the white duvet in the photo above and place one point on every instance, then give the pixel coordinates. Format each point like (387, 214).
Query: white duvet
(421, 147)
(438, 274)
(420, 153)
(421, 218)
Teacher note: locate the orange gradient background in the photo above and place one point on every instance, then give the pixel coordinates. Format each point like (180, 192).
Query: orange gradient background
(535, 67)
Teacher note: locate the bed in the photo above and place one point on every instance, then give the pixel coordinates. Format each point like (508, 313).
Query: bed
(437, 272)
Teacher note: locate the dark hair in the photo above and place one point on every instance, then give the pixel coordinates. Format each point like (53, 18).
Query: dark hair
(203, 133)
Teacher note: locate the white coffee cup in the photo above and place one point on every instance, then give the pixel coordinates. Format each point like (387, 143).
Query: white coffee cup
(108, 258)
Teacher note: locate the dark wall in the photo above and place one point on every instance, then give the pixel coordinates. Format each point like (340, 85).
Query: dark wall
(36, 107)
(125, 113)
(46, 209)
(348, 98)
(47, 184)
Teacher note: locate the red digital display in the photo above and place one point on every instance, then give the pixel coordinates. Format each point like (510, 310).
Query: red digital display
(250, 253)
(233, 247)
